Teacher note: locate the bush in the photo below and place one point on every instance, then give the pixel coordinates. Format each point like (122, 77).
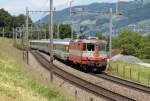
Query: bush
(132, 43)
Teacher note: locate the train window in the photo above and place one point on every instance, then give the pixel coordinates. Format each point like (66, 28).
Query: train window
(67, 48)
(102, 47)
(90, 47)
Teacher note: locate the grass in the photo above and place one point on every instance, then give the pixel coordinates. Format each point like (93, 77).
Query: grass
(18, 44)
(16, 85)
(132, 72)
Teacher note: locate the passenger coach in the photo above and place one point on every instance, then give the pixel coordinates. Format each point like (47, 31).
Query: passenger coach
(61, 49)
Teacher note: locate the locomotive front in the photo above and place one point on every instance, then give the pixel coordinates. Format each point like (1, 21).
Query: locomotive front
(89, 54)
(94, 54)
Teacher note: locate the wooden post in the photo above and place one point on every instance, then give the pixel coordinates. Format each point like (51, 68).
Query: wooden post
(51, 76)
(91, 99)
(138, 76)
(76, 95)
(130, 74)
(149, 80)
(117, 68)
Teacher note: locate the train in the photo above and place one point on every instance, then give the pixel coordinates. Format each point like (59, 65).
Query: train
(88, 54)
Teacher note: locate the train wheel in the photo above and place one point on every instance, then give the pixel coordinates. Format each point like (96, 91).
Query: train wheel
(94, 70)
(103, 68)
(69, 63)
(85, 68)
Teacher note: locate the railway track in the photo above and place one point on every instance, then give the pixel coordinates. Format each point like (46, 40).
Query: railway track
(79, 82)
(130, 84)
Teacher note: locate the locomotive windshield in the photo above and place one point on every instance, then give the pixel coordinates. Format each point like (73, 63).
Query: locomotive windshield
(102, 48)
(90, 47)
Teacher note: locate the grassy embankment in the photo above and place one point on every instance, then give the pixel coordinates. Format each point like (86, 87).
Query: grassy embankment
(132, 72)
(16, 85)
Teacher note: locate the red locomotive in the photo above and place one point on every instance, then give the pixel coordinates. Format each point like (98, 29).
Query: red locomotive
(88, 53)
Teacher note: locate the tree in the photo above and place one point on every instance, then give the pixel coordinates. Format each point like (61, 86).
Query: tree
(21, 19)
(100, 36)
(8, 21)
(145, 47)
(129, 42)
(4, 17)
(129, 49)
(65, 31)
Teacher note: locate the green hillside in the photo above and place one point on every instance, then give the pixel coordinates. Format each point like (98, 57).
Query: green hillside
(132, 14)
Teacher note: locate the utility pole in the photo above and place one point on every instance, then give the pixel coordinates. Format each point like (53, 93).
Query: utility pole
(37, 28)
(45, 33)
(51, 31)
(70, 2)
(16, 35)
(31, 30)
(13, 35)
(27, 26)
(20, 31)
(58, 31)
(110, 35)
(27, 34)
(22, 36)
(51, 37)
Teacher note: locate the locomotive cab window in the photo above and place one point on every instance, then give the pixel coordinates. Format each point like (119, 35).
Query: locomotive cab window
(90, 47)
(102, 47)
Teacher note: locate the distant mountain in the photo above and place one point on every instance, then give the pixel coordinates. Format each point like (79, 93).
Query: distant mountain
(132, 14)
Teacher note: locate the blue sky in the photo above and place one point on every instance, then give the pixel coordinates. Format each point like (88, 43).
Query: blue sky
(16, 7)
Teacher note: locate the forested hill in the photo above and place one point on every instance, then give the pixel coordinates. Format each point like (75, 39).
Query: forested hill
(132, 14)
(9, 21)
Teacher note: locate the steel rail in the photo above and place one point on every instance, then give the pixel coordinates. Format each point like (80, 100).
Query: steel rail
(124, 82)
(79, 82)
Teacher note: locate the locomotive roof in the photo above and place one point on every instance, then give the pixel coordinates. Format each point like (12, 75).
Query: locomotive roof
(89, 40)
